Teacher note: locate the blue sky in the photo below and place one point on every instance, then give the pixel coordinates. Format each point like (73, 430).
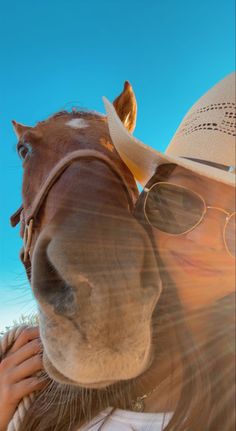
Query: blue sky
(55, 54)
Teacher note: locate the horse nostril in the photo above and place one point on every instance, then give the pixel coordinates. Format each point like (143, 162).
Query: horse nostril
(63, 299)
(51, 288)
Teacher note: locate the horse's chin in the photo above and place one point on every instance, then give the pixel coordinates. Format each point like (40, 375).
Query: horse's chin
(54, 374)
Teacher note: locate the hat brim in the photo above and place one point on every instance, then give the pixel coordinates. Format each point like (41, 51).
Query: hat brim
(143, 160)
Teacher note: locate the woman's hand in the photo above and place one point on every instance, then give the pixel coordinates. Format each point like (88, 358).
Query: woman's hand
(16, 370)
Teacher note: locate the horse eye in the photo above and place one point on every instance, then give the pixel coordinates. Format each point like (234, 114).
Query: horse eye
(24, 150)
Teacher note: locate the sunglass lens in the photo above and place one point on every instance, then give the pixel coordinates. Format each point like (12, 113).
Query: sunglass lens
(230, 235)
(173, 209)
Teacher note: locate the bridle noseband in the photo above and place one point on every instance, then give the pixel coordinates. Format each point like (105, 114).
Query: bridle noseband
(27, 216)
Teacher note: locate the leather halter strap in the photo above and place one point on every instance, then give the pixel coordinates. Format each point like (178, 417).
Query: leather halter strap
(27, 216)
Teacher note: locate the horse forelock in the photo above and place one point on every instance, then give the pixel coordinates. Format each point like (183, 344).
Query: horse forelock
(75, 113)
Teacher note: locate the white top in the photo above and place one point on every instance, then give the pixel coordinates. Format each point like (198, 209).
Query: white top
(125, 420)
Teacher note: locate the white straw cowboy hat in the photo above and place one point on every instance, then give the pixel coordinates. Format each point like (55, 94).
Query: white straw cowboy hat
(204, 142)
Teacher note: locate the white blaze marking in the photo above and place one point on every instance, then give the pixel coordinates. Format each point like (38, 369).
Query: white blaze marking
(77, 123)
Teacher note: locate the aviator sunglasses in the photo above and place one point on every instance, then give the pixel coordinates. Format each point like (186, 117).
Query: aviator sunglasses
(176, 210)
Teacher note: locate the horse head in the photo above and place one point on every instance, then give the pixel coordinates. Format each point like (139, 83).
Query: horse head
(90, 262)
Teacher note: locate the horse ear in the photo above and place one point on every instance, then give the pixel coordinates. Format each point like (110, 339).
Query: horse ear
(20, 128)
(126, 107)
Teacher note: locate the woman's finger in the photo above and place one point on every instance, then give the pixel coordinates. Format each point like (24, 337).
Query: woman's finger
(28, 334)
(26, 369)
(25, 352)
(27, 386)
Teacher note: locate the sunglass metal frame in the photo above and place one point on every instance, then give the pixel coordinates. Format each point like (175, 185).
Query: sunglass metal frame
(206, 207)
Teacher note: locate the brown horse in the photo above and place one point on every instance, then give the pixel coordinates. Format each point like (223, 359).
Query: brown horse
(91, 264)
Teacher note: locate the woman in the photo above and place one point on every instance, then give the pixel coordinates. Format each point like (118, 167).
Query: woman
(190, 205)
(189, 200)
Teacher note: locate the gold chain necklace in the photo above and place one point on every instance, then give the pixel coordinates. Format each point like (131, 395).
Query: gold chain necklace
(138, 405)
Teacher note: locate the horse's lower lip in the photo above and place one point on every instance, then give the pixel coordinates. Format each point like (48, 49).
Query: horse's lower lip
(51, 370)
(94, 385)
